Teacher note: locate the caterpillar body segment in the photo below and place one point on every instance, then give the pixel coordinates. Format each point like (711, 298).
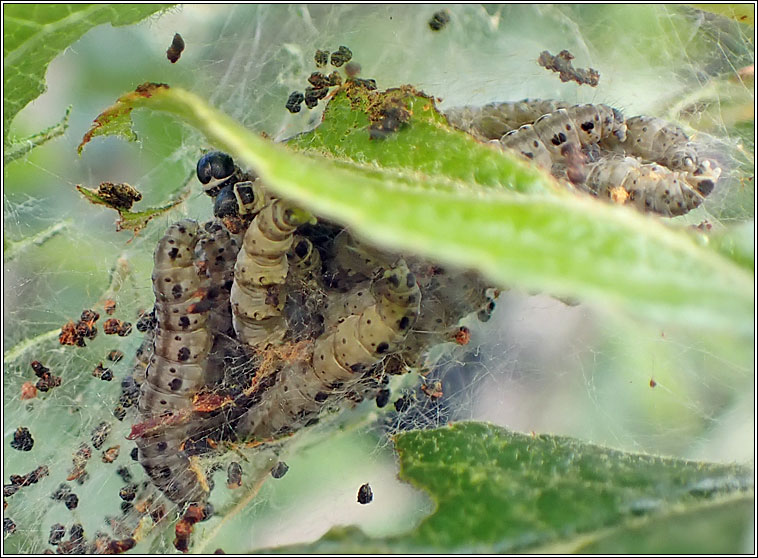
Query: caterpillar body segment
(355, 261)
(654, 139)
(647, 186)
(450, 295)
(257, 296)
(361, 340)
(526, 141)
(176, 370)
(492, 121)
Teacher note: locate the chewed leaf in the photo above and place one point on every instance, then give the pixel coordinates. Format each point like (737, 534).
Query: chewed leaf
(116, 120)
(34, 34)
(499, 491)
(563, 244)
(121, 197)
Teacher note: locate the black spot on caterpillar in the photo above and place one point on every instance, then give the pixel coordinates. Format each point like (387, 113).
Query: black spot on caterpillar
(257, 296)
(176, 369)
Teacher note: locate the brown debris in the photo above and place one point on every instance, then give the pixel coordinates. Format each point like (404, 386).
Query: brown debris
(194, 514)
(110, 304)
(111, 454)
(114, 326)
(28, 391)
(462, 335)
(119, 196)
(47, 381)
(561, 63)
(174, 52)
(74, 334)
(432, 391)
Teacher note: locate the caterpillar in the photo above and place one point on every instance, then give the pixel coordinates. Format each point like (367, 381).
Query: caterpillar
(600, 134)
(647, 186)
(545, 141)
(216, 253)
(177, 367)
(493, 120)
(257, 296)
(354, 261)
(341, 357)
(655, 140)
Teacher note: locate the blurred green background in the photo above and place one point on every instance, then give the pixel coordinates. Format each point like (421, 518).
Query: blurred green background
(538, 365)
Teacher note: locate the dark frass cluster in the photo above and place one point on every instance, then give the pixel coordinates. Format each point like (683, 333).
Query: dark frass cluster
(439, 20)
(319, 82)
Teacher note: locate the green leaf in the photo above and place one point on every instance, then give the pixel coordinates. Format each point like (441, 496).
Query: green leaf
(571, 246)
(500, 491)
(36, 33)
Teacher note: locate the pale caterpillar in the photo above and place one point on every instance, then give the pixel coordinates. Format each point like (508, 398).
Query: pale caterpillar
(647, 186)
(546, 140)
(675, 187)
(341, 357)
(257, 295)
(655, 140)
(177, 367)
(493, 120)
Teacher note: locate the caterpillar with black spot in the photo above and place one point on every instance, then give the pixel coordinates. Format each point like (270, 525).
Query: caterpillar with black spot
(655, 140)
(493, 120)
(216, 253)
(647, 186)
(341, 357)
(176, 370)
(257, 295)
(546, 140)
(677, 186)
